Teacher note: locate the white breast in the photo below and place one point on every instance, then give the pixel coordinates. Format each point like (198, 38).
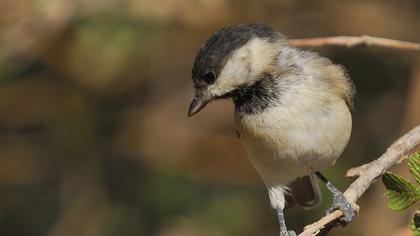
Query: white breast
(305, 132)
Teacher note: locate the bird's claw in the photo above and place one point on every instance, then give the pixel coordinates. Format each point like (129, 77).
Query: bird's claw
(287, 233)
(340, 202)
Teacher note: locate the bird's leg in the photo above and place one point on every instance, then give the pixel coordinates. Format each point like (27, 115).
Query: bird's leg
(282, 223)
(339, 201)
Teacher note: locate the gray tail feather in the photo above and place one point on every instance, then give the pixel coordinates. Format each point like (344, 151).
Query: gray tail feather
(305, 192)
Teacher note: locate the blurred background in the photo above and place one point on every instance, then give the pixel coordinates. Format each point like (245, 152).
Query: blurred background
(94, 138)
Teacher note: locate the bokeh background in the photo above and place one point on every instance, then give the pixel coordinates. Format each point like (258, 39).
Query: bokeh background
(94, 138)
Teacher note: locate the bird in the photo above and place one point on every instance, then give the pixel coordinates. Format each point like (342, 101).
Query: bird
(292, 110)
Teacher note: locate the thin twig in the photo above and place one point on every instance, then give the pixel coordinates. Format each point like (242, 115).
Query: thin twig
(352, 41)
(393, 154)
(357, 171)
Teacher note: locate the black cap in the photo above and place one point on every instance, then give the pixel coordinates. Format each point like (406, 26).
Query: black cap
(212, 56)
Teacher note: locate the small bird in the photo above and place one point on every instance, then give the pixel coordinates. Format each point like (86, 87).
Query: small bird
(292, 110)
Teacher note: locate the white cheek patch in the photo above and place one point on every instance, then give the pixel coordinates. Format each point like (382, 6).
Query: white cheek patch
(244, 66)
(233, 74)
(262, 54)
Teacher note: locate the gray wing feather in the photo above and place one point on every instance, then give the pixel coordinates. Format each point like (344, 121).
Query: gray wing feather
(305, 192)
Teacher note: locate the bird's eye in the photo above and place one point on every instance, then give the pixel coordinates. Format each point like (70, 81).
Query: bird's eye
(209, 77)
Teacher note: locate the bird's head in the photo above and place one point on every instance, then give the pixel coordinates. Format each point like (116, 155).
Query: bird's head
(233, 57)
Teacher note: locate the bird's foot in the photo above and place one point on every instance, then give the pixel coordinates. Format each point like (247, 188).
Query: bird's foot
(282, 224)
(340, 202)
(287, 233)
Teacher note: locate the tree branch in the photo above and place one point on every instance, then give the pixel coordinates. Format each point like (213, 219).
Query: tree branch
(352, 41)
(357, 171)
(368, 176)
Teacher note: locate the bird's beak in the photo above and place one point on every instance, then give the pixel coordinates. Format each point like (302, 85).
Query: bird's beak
(198, 102)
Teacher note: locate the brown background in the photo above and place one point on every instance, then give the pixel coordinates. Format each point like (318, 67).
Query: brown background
(94, 138)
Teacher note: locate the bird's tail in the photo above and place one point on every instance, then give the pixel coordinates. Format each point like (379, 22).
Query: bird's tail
(305, 192)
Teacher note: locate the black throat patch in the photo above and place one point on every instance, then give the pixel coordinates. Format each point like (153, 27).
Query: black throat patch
(255, 98)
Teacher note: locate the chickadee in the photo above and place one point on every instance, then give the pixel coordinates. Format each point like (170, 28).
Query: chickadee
(292, 109)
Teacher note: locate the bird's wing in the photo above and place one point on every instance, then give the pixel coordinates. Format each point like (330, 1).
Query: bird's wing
(305, 192)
